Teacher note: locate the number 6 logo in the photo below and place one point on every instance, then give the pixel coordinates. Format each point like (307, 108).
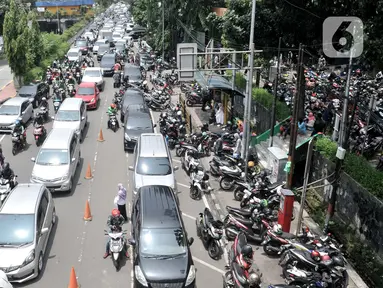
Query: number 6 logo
(342, 36)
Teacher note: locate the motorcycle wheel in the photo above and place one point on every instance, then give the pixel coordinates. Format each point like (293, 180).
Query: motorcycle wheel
(14, 150)
(225, 184)
(286, 267)
(179, 152)
(116, 263)
(238, 194)
(189, 103)
(207, 151)
(114, 128)
(214, 250)
(269, 251)
(194, 193)
(213, 173)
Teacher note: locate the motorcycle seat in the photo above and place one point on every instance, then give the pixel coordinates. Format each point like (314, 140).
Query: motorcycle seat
(239, 274)
(282, 286)
(273, 186)
(286, 235)
(246, 222)
(243, 212)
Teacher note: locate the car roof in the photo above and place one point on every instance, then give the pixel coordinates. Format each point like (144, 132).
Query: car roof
(71, 104)
(152, 145)
(109, 55)
(87, 85)
(159, 207)
(92, 69)
(57, 138)
(22, 199)
(15, 101)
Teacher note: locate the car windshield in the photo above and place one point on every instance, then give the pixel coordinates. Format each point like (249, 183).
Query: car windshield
(65, 115)
(9, 110)
(52, 157)
(154, 166)
(98, 43)
(103, 49)
(72, 54)
(17, 229)
(92, 73)
(85, 91)
(163, 243)
(81, 43)
(108, 61)
(27, 91)
(138, 123)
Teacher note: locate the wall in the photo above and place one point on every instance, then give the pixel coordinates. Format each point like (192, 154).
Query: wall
(355, 206)
(69, 10)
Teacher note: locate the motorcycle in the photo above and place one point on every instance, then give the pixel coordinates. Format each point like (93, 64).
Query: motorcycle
(5, 188)
(237, 277)
(44, 113)
(117, 245)
(57, 103)
(189, 163)
(229, 176)
(210, 231)
(71, 90)
(112, 122)
(199, 184)
(17, 143)
(39, 134)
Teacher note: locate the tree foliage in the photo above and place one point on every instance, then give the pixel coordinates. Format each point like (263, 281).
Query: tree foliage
(35, 41)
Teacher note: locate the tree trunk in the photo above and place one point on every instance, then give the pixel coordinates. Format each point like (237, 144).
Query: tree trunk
(18, 81)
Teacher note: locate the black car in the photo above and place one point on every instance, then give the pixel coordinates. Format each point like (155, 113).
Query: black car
(34, 92)
(102, 49)
(83, 44)
(134, 73)
(137, 121)
(132, 96)
(107, 64)
(162, 256)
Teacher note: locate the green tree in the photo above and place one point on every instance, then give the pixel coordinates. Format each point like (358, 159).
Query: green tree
(36, 47)
(15, 33)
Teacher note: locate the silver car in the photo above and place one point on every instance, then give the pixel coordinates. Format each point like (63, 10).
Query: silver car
(94, 75)
(13, 109)
(26, 221)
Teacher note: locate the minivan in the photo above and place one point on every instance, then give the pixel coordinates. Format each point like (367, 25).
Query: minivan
(26, 221)
(152, 162)
(162, 256)
(72, 114)
(57, 161)
(107, 64)
(74, 54)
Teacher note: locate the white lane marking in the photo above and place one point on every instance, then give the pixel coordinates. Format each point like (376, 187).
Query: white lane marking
(217, 206)
(174, 160)
(188, 216)
(205, 202)
(154, 122)
(183, 185)
(2, 137)
(208, 265)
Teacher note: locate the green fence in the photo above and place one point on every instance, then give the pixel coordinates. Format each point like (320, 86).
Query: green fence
(264, 136)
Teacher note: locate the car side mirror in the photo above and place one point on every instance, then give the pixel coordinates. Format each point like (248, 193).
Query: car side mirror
(44, 230)
(175, 168)
(191, 241)
(82, 118)
(155, 125)
(131, 168)
(33, 159)
(73, 159)
(53, 117)
(132, 242)
(22, 113)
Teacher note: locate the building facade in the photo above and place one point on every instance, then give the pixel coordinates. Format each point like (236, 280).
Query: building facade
(65, 8)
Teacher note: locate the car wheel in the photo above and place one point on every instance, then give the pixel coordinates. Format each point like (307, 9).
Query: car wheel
(71, 185)
(40, 263)
(54, 217)
(79, 159)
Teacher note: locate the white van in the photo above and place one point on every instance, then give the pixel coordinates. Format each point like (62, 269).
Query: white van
(74, 54)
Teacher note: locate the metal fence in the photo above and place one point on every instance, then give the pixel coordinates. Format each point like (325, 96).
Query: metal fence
(263, 117)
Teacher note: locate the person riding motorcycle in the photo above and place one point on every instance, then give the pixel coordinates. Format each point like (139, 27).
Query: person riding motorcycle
(8, 174)
(19, 128)
(114, 223)
(78, 68)
(39, 120)
(71, 80)
(117, 78)
(112, 110)
(44, 103)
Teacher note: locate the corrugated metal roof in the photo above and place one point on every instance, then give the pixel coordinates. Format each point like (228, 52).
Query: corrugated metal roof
(63, 3)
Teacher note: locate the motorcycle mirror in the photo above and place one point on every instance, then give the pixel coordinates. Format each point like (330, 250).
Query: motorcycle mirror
(175, 168)
(131, 168)
(53, 117)
(132, 241)
(33, 159)
(191, 241)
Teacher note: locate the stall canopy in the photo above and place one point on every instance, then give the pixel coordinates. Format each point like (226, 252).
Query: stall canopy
(215, 82)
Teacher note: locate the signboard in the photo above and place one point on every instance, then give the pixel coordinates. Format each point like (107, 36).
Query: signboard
(186, 62)
(40, 9)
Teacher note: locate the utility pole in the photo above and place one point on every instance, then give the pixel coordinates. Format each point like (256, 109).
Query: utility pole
(249, 88)
(370, 108)
(163, 30)
(341, 152)
(294, 122)
(275, 93)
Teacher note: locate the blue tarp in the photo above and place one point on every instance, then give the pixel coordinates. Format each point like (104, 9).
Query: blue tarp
(63, 3)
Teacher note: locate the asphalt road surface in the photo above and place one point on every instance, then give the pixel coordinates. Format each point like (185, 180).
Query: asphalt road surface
(80, 244)
(5, 73)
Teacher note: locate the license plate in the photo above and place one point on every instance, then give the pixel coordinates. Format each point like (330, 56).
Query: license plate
(52, 189)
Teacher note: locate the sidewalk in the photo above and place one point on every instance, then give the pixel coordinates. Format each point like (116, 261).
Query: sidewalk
(222, 198)
(8, 91)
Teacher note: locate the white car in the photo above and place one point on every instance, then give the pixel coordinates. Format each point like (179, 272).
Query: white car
(16, 108)
(89, 35)
(94, 75)
(97, 45)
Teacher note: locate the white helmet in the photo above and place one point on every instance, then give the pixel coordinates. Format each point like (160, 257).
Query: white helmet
(277, 228)
(44, 99)
(179, 113)
(145, 82)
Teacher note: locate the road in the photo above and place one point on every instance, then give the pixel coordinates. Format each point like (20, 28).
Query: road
(5, 73)
(82, 244)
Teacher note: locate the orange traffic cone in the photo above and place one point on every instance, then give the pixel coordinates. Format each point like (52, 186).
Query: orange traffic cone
(73, 279)
(100, 136)
(88, 174)
(87, 214)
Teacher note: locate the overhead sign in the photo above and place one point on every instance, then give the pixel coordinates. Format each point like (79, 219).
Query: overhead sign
(40, 9)
(186, 63)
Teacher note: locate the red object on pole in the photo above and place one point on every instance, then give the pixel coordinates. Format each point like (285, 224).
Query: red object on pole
(286, 208)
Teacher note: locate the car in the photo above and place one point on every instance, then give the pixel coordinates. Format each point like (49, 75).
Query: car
(137, 121)
(74, 54)
(34, 92)
(89, 93)
(12, 110)
(134, 73)
(121, 46)
(89, 35)
(107, 64)
(58, 160)
(94, 75)
(131, 96)
(146, 61)
(102, 49)
(27, 218)
(116, 35)
(98, 43)
(161, 247)
(83, 44)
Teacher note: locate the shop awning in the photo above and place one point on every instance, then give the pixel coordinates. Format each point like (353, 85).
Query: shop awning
(215, 81)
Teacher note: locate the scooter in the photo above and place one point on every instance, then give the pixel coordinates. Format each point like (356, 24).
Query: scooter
(117, 245)
(44, 113)
(112, 122)
(57, 103)
(17, 143)
(39, 133)
(210, 231)
(199, 184)
(189, 163)
(5, 188)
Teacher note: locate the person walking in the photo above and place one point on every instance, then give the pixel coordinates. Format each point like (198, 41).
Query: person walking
(120, 201)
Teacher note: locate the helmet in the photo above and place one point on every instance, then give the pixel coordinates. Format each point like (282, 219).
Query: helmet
(264, 203)
(236, 135)
(254, 280)
(247, 253)
(5, 166)
(17, 122)
(315, 255)
(70, 76)
(179, 113)
(250, 164)
(113, 106)
(204, 134)
(116, 212)
(277, 229)
(44, 99)
(338, 260)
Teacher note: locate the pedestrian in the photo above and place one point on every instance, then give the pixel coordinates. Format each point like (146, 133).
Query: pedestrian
(319, 125)
(301, 126)
(219, 115)
(238, 146)
(120, 201)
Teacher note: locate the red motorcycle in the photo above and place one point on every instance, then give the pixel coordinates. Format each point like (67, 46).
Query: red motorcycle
(39, 133)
